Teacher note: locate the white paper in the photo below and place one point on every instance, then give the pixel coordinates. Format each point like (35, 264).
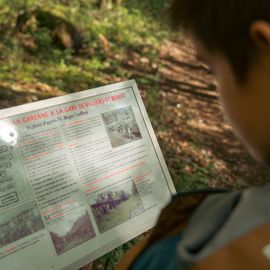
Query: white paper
(79, 175)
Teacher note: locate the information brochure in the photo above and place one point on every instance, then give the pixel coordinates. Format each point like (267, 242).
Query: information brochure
(79, 175)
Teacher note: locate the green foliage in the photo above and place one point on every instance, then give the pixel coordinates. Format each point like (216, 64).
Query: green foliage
(154, 8)
(118, 215)
(125, 26)
(189, 182)
(111, 259)
(43, 38)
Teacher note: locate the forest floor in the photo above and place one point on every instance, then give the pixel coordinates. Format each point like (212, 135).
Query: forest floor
(202, 143)
(197, 142)
(179, 93)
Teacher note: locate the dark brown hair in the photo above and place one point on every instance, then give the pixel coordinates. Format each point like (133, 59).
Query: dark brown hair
(223, 26)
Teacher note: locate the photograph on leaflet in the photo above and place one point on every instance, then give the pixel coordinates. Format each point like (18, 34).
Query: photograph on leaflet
(69, 232)
(19, 223)
(121, 126)
(116, 206)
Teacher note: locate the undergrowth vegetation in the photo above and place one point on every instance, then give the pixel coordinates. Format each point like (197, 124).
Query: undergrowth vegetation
(107, 36)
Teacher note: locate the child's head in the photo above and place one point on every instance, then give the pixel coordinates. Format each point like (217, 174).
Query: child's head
(233, 38)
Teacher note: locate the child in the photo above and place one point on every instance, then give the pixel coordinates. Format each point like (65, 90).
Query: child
(222, 230)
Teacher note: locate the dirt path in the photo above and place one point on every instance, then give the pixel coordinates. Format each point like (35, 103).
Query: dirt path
(198, 144)
(201, 142)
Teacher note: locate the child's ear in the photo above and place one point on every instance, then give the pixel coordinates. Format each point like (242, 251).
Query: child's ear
(260, 34)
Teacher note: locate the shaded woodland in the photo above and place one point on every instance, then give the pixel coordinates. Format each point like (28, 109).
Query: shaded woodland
(52, 48)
